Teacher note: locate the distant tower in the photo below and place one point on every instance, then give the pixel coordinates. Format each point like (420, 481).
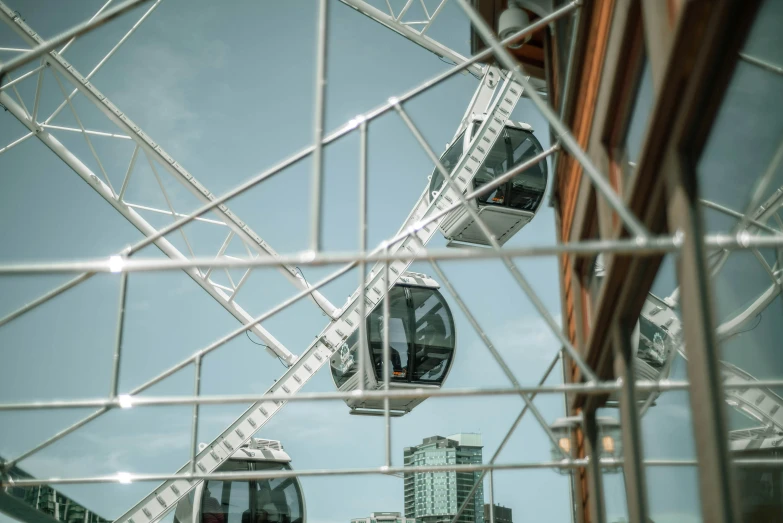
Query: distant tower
(435, 497)
(502, 514)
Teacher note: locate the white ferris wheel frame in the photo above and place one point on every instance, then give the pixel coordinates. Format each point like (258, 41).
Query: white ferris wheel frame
(498, 91)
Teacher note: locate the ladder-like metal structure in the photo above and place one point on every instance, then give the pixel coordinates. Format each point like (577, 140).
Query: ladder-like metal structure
(163, 498)
(411, 238)
(157, 157)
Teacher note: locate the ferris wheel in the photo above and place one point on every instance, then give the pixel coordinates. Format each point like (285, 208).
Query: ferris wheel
(488, 185)
(393, 342)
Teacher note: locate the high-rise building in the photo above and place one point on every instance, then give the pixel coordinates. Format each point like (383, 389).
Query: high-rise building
(384, 517)
(502, 514)
(435, 497)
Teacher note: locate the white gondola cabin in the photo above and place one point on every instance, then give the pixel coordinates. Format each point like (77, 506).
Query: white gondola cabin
(422, 340)
(507, 208)
(277, 500)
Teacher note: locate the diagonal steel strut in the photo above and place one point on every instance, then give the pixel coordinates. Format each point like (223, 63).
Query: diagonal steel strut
(155, 151)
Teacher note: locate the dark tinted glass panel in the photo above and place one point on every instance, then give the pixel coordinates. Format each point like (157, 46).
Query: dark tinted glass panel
(526, 189)
(739, 159)
(277, 500)
(264, 501)
(345, 362)
(434, 336)
(399, 342)
(421, 339)
(761, 488)
(449, 160)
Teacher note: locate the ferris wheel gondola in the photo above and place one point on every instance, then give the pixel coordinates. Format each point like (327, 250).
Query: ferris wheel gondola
(275, 500)
(507, 208)
(422, 340)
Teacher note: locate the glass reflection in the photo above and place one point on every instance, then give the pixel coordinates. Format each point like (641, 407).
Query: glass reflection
(276, 500)
(746, 284)
(421, 339)
(515, 146)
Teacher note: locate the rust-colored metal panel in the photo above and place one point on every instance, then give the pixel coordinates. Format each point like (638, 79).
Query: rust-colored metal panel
(569, 178)
(570, 173)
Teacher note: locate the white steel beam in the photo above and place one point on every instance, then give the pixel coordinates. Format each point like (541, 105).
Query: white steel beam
(382, 277)
(417, 37)
(156, 152)
(274, 346)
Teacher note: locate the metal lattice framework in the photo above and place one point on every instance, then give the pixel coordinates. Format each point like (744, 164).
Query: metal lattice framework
(390, 259)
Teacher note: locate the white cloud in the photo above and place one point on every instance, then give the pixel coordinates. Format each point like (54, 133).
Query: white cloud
(529, 337)
(527, 345)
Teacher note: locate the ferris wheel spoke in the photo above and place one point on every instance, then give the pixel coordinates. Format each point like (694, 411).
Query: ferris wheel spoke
(156, 152)
(84, 133)
(761, 185)
(496, 355)
(760, 403)
(396, 24)
(104, 190)
(411, 239)
(16, 142)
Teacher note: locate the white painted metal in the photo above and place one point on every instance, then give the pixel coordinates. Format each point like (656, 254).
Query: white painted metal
(160, 501)
(479, 104)
(367, 380)
(407, 29)
(759, 403)
(275, 347)
(156, 152)
(459, 227)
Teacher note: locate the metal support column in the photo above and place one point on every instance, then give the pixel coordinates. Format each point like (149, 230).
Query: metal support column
(594, 476)
(633, 470)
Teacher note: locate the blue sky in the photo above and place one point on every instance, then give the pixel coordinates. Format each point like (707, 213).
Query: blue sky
(228, 91)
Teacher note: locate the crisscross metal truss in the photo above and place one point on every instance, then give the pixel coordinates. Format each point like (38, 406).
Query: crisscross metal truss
(224, 273)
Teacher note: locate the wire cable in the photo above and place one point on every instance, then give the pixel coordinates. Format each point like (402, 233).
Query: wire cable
(247, 333)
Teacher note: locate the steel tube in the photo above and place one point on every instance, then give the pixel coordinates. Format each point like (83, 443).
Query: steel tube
(106, 192)
(16, 142)
(761, 186)
(599, 388)
(362, 248)
(495, 354)
(280, 474)
(600, 182)
(187, 361)
(484, 189)
(634, 473)
(416, 37)
(75, 31)
(734, 214)
(762, 63)
(104, 59)
(46, 297)
(653, 247)
(194, 426)
(318, 127)
(115, 375)
(352, 124)
(515, 273)
(508, 435)
(491, 499)
(23, 77)
(57, 437)
(386, 359)
(72, 40)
